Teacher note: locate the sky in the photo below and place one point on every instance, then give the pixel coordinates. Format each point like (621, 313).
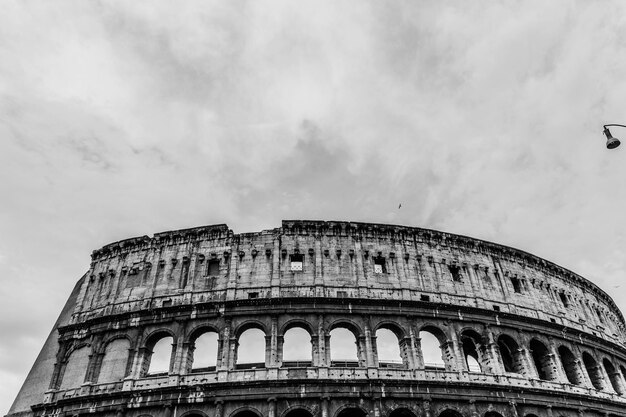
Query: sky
(122, 119)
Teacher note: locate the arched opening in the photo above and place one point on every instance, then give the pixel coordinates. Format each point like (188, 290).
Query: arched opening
(297, 348)
(343, 348)
(543, 361)
(450, 413)
(402, 412)
(593, 370)
(432, 353)
(471, 343)
(115, 361)
(351, 412)
(160, 356)
(510, 354)
(388, 349)
(203, 353)
(245, 413)
(570, 366)
(75, 368)
(251, 349)
(298, 412)
(492, 414)
(614, 376)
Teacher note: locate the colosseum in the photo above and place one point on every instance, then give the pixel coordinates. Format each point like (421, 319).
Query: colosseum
(480, 329)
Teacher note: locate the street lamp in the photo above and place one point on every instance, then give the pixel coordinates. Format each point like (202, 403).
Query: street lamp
(611, 142)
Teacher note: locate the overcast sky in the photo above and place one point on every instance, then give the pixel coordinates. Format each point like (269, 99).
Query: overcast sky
(120, 119)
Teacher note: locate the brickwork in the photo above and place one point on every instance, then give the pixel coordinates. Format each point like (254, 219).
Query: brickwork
(545, 340)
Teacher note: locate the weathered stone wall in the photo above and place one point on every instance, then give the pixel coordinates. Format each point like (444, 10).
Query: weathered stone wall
(545, 339)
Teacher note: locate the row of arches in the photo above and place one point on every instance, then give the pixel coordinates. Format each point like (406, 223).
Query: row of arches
(538, 360)
(297, 350)
(255, 344)
(352, 411)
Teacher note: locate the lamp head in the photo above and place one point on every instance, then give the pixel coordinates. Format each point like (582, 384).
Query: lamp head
(611, 142)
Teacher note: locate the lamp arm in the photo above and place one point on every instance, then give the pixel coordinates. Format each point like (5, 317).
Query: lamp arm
(605, 126)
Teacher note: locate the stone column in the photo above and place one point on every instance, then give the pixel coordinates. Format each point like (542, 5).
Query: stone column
(473, 409)
(275, 279)
(426, 407)
(219, 408)
(177, 356)
(271, 407)
(419, 356)
(513, 408)
(324, 406)
(318, 279)
(370, 360)
(493, 354)
(406, 352)
(186, 362)
(224, 348)
(561, 376)
(457, 350)
(272, 359)
(549, 411)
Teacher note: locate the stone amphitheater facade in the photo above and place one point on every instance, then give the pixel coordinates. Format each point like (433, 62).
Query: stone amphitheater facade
(518, 336)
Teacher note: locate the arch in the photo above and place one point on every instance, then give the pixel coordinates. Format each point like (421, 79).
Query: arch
(492, 414)
(350, 410)
(202, 352)
(297, 349)
(246, 412)
(543, 360)
(432, 349)
(472, 347)
(531, 415)
(250, 351)
(346, 324)
(153, 337)
(114, 337)
(388, 349)
(290, 324)
(570, 365)
(510, 354)
(247, 325)
(402, 412)
(192, 413)
(199, 330)
(342, 352)
(393, 327)
(449, 412)
(435, 331)
(160, 356)
(297, 411)
(594, 371)
(613, 376)
(114, 365)
(75, 368)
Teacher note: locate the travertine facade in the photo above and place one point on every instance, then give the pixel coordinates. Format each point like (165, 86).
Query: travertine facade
(519, 336)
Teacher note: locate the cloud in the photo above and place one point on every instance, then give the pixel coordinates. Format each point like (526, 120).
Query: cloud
(120, 119)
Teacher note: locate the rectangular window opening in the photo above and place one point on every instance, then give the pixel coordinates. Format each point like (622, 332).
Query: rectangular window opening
(564, 300)
(342, 294)
(252, 295)
(213, 268)
(297, 262)
(496, 308)
(456, 272)
(379, 265)
(424, 297)
(516, 285)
